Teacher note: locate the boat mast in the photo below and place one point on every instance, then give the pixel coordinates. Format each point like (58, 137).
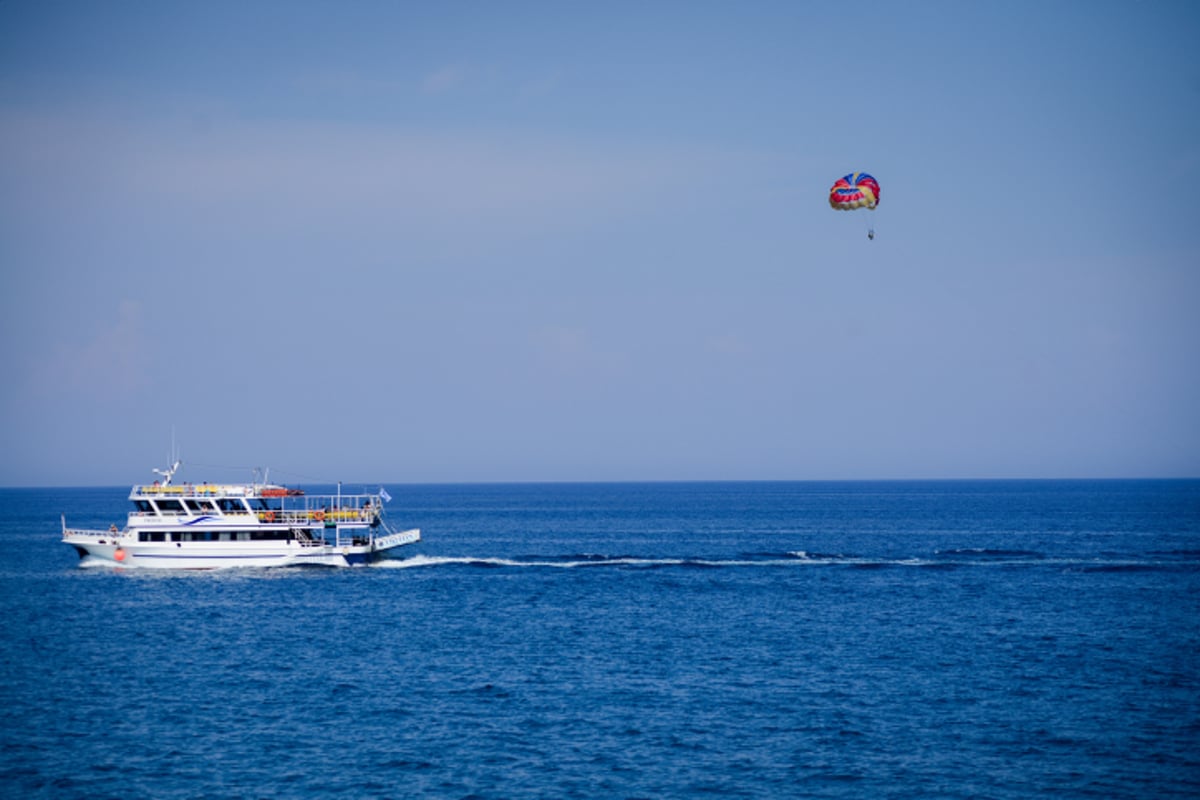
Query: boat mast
(169, 472)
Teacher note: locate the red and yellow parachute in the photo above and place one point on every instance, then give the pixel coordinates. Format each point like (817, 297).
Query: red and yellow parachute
(856, 190)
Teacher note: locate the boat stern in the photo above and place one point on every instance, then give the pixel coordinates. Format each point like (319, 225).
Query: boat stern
(382, 544)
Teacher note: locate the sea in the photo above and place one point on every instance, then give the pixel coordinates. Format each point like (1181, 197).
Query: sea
(947, 639)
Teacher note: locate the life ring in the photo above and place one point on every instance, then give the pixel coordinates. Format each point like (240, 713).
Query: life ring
(319, 516)
(269, 516)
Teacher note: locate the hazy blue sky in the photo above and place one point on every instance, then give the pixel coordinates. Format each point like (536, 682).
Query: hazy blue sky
(426, 242)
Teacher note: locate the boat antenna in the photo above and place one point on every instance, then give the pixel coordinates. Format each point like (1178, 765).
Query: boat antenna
(262, 476)
(168, 473)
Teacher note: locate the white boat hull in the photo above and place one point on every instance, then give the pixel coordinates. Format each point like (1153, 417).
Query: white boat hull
(125, 551)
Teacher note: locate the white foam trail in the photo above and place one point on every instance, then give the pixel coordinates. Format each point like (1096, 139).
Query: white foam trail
(796, 558)
(437, 561)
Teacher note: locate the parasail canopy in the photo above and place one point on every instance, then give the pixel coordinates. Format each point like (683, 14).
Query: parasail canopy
(856, 190)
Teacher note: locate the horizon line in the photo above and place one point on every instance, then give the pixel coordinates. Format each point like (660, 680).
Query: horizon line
(665, 481)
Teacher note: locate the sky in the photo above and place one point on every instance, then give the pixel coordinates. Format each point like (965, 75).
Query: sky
(477, 242)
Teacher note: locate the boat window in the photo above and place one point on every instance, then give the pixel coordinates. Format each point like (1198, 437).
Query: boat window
(269, 535)
(232, 504)
(199, 506)
(211, 536)
(170, 506)
(199, 536)
(144, 506)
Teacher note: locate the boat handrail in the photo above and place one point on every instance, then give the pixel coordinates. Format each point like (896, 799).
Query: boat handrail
(209, 490)
(195, 490)
(308, 516)
(95, 533)
(290, 516)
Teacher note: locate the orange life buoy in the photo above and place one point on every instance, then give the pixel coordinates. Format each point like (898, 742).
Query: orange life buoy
(319, 516)
(270, 516)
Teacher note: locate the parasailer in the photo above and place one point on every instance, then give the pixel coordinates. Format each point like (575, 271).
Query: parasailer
(854, 191)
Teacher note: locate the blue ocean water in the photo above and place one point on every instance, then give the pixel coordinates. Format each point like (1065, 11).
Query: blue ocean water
(943, 640)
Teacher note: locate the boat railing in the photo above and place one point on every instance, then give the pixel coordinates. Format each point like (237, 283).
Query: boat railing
(93, 534)
(194, 490)
(215, 490)
(289, 516)
(251, 493)
(315, 515)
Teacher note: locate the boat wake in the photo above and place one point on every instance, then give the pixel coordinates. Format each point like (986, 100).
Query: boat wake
(553, 562)
(949, 559)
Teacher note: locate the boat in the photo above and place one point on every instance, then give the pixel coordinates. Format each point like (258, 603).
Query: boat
(212, 526)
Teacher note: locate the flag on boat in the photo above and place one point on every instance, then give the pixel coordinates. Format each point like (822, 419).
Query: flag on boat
(387, 498)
